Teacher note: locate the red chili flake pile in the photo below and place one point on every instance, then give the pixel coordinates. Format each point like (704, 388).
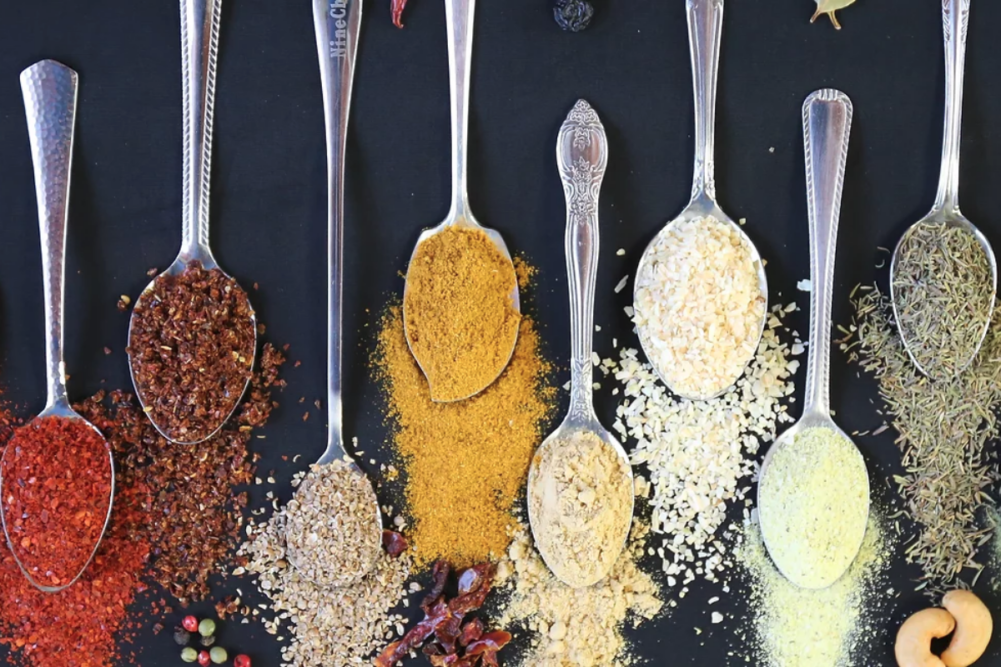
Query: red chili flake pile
(57, 479)
(456, 643)
(192, 350)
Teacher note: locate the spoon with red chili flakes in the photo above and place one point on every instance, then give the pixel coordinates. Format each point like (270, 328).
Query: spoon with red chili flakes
(193, 332)
(57, 474)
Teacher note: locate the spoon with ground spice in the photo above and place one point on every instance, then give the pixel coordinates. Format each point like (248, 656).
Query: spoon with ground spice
(461, 306)
(813, 490)
(944, 275)
(333, 525)
(580, 483)
(701, 293)
(193, 332)
(57, 475)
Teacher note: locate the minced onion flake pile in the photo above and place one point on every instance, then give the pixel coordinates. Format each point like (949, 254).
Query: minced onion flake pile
(697, 452)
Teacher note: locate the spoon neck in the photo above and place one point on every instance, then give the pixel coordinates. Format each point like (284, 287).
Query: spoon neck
(459, 16)
(705, 32)
(581, 391)
(955, 23)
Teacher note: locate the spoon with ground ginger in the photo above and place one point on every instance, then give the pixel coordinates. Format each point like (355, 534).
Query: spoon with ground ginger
(333, 526)
(57, 474)
(193, 332)
(813, 490)
(461, 305)
(580, 483)
(944, 275)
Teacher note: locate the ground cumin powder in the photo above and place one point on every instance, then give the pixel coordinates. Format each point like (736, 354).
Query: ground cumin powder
(460, 317)
(465, 462)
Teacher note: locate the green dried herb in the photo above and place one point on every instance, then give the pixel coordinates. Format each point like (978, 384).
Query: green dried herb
(829, 7)
(942, 284)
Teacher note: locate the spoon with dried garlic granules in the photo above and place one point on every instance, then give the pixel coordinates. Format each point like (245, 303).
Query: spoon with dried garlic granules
(700, 295)
(333, 524)
(813, 492)
(580, 483)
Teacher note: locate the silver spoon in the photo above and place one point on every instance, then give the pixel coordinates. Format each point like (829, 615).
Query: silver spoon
(582, 154)
(459, 16)
(827, 120)
(199, 59)
(705, 31)
(337, 24)
(50, 96)
(945, 211)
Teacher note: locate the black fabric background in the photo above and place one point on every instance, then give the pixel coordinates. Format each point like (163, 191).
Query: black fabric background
(268, 189)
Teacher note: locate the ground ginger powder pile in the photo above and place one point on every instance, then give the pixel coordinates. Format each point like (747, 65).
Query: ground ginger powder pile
(460, 316)
(465, 463)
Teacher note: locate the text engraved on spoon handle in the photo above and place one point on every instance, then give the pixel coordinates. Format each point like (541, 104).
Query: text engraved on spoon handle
(199, 57)
(582, 155)
(705, 33)
(955, 26)
(50, 97)
(827, 120)
(459, 15)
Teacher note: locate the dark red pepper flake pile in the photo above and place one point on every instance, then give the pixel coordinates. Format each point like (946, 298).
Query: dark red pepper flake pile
(457, 642)
(192, 350)
(56, 492)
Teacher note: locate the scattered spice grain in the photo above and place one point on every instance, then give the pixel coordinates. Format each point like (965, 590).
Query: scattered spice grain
(191, 346)
(580, 500)
(459, 312)
(56, 494)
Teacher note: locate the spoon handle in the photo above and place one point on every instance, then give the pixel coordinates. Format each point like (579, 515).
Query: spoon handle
(199, 56)
(582, 155)
(705, 33)
(955, 24)
(337, 24)
(827, 122)
(459, 16)
(50, 94)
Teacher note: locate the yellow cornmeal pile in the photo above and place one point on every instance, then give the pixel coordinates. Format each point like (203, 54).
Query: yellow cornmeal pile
(576, 627)
(580, 503)
(798, 627)
(460, 316)
(464, 463)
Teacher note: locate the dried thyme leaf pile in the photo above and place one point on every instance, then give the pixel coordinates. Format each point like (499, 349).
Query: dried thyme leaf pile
(943, 428)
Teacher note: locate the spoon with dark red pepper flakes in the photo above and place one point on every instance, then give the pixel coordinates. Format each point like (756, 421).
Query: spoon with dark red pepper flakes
(193, 333)
(57, 475)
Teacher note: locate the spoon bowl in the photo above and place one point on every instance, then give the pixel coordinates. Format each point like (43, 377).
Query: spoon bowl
(705, 30)
(459, 16)
(50, 99)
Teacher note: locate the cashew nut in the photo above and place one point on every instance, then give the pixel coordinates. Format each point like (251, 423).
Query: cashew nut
(913, 647)
(973, 628)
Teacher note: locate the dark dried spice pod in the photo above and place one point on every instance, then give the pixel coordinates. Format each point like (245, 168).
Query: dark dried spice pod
(573, 15)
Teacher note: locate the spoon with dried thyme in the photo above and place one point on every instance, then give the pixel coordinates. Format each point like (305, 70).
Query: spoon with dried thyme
(461, 305)
(944, 275)
(580, 483)
(193, 333)
(813, 491)
(333, 525)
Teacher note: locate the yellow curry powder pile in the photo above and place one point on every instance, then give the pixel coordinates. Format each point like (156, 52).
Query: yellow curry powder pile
(460, 317)
(465, 462)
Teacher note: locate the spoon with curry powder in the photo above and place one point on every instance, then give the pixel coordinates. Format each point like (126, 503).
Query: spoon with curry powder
(333, 526)
(193, 332)
(580, 483)
(461, 305)
(57, 475)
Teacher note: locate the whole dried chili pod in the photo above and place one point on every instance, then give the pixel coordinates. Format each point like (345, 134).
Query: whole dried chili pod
(397, 8)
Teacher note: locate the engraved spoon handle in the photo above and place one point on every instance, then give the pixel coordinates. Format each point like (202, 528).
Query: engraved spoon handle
(955, 23)
(337, 24)
(50, 95)
(827, 121)
(199, 57)
(582, 155)
(705, 33)
(459, 16)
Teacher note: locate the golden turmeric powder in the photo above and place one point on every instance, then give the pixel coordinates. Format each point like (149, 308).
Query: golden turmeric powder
(465, 463)
(460, 316)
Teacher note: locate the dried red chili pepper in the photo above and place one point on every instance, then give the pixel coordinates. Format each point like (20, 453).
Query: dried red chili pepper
(57, 479)
(394, 543)
(471, 631)
(397, 8)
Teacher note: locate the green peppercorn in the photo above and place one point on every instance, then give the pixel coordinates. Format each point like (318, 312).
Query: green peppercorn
(218, 655)
(206, 628)
(182, 636)
(189, 655)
